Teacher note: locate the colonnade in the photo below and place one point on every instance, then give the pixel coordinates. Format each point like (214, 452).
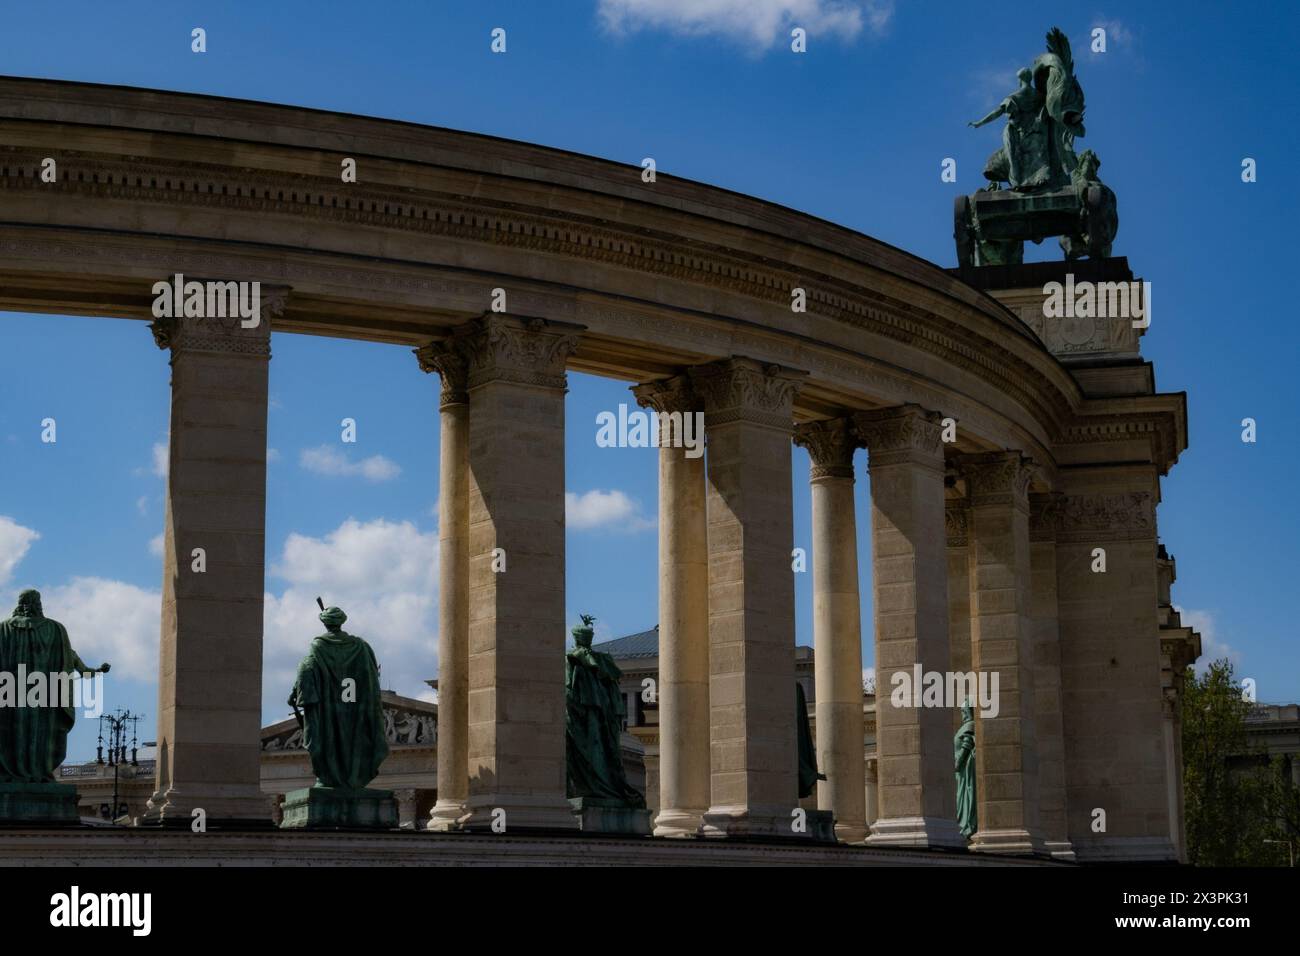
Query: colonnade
(726, 595)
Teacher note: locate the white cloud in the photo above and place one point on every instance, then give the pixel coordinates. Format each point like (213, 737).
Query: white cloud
(160, 459)
(598, 509)
(384, 575)
(1117, 34)
(759, 22)
(272, 454)
(110, 621)
(1213, 647)
(142, 504)
(326, 460)
(15, 540)
(869, 679)
(156, 545)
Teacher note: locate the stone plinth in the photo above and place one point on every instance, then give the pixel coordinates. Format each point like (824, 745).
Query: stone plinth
(45, 804)
(596, 817)
(316, 808)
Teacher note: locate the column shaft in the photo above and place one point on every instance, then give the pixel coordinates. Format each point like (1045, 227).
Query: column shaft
(683, 687)
(837, 626)
(1006, 755)
(448, 359)
(210, 658)
(516, 573)
(917, 792)
(748, 409)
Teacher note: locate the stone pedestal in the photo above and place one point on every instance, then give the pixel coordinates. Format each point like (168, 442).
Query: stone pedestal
(917, 793)
(42, 804)
(328, 808)
(748, 412)
(595, 817)
(683, 617)
(214, 545)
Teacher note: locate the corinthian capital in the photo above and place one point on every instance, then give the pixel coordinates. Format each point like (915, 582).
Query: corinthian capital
(448, 358)
(522, 351)
(830, 445)
(997, 478)
(741, 389)
(905, 433)
(667, 395)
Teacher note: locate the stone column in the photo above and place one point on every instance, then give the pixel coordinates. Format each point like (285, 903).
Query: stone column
(917, 792)
(837, 625)
(449, 361)
(1006, 756)
(1046, 633)
(871, 790)
(683, 612)
(516, 573)
(214, 548)
(749, 415)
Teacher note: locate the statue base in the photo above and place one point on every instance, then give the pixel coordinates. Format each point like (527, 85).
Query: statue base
(596, 817)
(43, 804)
(329, 808)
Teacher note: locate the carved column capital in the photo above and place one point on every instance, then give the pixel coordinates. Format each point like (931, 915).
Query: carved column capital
(956, 520)
(1044, 516)
(904, 433)
(830, 445)
(449, 359)
(522, 351)
(741, 389)
(997, 478)
(220, 333)
(667, 395)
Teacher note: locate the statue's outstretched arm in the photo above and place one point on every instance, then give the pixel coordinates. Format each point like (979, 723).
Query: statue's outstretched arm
(994, 114)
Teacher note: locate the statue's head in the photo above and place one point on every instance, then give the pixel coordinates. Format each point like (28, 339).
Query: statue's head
(29, 604)
(1089, 163)
(583, 633)
(1024, 75)
(967, 711)
(333, 618)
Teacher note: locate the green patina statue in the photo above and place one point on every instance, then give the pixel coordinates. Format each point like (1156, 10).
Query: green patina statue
(964, 755)
(34, 733)
(594, 716)
(1045, 193)
(34, 740)
(338, 690)
(808, 775)
(342, 718)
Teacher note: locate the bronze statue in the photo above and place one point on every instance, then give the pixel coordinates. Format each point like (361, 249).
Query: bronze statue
(594, 716)
(964, 759)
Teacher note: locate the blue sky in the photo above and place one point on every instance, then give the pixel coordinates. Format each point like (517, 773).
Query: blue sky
(854, 131)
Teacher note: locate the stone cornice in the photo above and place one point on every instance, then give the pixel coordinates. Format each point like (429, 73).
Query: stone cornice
(566, 234)
(830, 445)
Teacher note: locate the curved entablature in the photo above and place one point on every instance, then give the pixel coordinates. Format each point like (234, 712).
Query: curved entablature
(661, 275)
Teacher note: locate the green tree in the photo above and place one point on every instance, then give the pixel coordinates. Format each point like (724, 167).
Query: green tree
(1227, 804)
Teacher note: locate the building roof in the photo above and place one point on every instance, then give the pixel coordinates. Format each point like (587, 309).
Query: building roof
(643, 644)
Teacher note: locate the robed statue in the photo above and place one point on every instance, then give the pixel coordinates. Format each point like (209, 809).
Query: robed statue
(34, 739)
(337, 689)
(964, 754)
(594, 717)
(808, 773)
